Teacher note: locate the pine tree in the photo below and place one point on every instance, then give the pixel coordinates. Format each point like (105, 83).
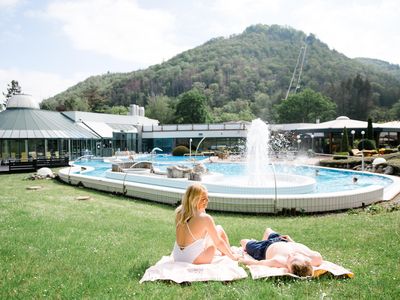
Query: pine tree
(370, 130)
(345, 141)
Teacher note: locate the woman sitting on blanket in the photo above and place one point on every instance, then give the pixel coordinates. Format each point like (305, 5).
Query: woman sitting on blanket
(280, 251)
(197, 236)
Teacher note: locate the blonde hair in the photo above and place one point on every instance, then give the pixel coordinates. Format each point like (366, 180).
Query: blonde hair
(302, 269)
(189, 204)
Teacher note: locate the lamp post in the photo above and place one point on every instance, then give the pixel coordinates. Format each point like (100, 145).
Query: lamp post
(312, 142)
(353, 132)
(362, 151)
(362, 134)
(341, 142)
(298, 142)
(190, 148)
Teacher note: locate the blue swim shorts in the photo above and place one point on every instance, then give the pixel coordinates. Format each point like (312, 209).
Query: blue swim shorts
(257, 249)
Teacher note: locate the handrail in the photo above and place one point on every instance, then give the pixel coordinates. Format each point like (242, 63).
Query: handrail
(276, 187)
(197, 148)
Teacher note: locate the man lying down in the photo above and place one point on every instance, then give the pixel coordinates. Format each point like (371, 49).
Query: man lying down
(280, 251)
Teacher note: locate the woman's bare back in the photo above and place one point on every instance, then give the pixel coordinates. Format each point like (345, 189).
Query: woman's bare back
(193, 227)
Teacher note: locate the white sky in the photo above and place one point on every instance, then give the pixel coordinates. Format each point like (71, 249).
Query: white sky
(50, 45)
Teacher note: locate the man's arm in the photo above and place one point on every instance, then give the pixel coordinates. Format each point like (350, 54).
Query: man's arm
(314, 256)
(275, 262)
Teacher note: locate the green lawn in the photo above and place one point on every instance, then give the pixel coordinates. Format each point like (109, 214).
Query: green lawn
(52, 245)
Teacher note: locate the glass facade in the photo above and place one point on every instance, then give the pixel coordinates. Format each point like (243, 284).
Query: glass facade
(208, 144)
(123, 141)
(27, 149)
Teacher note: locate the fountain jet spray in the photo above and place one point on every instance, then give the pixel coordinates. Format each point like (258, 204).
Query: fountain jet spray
(257, 153)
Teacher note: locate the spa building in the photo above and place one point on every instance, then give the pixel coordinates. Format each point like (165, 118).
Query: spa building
(28, 132)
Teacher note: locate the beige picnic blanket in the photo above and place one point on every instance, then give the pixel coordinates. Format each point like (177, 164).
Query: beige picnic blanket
(221, 268)
(258, 271)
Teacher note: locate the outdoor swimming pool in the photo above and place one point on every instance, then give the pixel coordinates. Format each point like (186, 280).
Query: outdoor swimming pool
(331, 189)
(327, 181)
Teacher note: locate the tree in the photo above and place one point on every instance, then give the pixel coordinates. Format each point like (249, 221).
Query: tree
(117, 110)
(13, 88)
(192, 108)
(96, 101)
(370, 130)
(262, 107)
(238, 110)
(345, 141)
(160, 108)
(306, 107)
(395, 111)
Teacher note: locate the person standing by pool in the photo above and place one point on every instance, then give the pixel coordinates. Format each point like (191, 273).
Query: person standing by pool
(197, 236)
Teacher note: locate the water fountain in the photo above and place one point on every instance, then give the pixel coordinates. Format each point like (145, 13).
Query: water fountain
(260, 175)
(257, 154)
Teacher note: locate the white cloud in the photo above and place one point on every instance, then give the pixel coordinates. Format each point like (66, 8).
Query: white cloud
(8, 3)
(366, 28)
(119, 28)
(39, 84)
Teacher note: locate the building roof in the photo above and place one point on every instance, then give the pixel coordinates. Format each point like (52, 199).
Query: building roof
(78, 116)
(289, 126)
(36, 123)
(392, 124)
(22, 101)
(105, 124)
(338, 124)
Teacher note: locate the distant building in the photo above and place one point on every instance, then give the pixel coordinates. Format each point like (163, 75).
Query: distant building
(27, 132)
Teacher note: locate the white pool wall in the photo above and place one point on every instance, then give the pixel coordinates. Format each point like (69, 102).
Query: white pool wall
(226, 201)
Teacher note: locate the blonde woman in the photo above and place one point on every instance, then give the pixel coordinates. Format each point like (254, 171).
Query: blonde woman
(197, 236)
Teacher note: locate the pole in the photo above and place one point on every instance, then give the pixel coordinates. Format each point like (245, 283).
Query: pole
(190, 148)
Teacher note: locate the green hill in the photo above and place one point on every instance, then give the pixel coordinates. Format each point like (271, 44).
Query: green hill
(381, 66)
(243, 76)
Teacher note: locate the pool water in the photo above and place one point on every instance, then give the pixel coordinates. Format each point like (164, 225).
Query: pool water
(327, 180)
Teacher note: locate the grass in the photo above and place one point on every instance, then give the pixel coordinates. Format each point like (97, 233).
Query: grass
(54, 246)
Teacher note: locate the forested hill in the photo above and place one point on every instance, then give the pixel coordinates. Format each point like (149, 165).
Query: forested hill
(242, 76)
(381, 66)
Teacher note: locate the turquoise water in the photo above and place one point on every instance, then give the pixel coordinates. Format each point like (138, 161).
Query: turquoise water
(162, 158)
(328, 180)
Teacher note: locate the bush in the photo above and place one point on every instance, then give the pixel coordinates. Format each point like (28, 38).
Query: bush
(340, 155)
(387, 151)
(180, 151)
(368, 145)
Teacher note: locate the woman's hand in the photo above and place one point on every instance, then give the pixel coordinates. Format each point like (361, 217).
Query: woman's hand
(246, 261)
(236, 257)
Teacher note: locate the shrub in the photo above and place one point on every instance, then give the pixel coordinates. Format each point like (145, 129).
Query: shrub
(368, 145)
(340, 155)
(387, 151)
(180, 151)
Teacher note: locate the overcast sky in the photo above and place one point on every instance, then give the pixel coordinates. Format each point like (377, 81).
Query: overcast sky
(50, 45)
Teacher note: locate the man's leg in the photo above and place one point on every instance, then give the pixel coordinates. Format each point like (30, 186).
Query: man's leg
(267, 232)
(243, 243)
